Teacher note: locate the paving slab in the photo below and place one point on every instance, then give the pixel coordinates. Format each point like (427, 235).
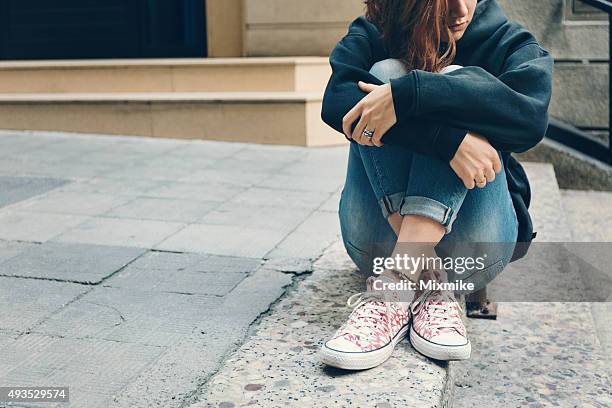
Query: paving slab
(68, 168)
(206, 149)
(252, 165)
(94, 370)
(227, 240)
(309, 239)
(203, 191)
(186, 280)
(35, 226)
(15, 189)
(81, 203)
(281, 198)
(119, 187)
(178, 375)
(120, 232)
(81, 263)
(301, 183)
(333, 203)
(256, 216)
(9, 249)
(12, 143)
(227, 176)
(26, 302)
(157, 169)
(177, 262)
(254, 153)
(163, 209)
(129, 315)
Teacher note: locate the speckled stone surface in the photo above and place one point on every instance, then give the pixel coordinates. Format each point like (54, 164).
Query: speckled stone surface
(539, 354)
(546, 209)
(278, 365)
(589, 214)
(534, 355)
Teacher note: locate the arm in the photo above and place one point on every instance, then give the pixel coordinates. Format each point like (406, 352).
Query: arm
(351, 61)
(510, 110)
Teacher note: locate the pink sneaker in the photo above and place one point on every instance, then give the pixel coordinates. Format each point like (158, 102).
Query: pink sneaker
(437, 330)
(369, 336)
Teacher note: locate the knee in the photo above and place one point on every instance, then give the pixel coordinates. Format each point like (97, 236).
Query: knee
(388, 69)
(353, 226)
(354, 238)
(478, 263)
(361, 235)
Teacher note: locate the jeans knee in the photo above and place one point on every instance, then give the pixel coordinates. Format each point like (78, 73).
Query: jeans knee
(388, 69)
(491, 258)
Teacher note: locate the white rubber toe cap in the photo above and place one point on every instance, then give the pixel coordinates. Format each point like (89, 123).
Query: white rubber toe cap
(449, 339)
(342, 345)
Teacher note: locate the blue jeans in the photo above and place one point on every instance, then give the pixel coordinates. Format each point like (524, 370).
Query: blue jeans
(384, 180)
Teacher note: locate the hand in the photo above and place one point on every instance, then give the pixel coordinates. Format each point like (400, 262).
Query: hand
(476, 162)
(377, 115)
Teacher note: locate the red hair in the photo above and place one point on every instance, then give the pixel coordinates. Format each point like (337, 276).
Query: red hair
(413, 31)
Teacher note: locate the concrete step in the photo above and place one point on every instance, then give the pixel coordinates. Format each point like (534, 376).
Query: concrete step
(537, 354)
(264, 74)
(290, 118)
(589, 214)
(278, 365)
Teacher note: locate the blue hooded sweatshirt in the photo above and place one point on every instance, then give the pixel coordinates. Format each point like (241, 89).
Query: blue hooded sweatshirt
(502, 93)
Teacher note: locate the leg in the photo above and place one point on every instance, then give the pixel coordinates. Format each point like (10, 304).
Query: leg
(421, 198)
(365, 232)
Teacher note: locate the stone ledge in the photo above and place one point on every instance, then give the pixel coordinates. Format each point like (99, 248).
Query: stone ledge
(278, 365)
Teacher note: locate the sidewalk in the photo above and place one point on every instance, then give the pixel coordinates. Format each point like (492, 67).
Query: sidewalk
(167, 273)
(130, 268)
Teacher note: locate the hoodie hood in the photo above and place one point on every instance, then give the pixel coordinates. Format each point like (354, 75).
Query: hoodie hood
(488, 18)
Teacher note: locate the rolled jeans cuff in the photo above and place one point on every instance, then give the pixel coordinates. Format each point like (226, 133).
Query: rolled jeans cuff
(427, 207)
(391, 203)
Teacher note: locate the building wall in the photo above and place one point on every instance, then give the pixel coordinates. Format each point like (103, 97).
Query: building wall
(579, 45)
(296, 27)
(225, 28)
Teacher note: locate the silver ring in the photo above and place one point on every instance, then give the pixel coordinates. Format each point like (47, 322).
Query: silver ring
(368, 133)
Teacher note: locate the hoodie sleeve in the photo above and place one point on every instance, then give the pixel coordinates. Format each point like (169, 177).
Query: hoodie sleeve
(351, 60)
(510, 109)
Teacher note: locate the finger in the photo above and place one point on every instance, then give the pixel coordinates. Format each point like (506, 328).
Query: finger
(364, 86)
(497, 167)
(349, 119)
(377, 138)
(358, 132)
(361, 138)
(489, 174)
(480, 179)
(468, 182)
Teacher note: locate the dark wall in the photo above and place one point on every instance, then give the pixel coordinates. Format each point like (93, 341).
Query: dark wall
(52, 29)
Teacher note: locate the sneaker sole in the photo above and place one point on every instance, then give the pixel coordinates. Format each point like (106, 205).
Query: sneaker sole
(361, 360)
(438, 351)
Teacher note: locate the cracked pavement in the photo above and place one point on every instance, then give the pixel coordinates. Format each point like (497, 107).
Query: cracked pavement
(131, 268)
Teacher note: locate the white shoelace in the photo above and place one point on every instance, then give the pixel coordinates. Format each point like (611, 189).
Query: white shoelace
(374, 299)
(440, 307)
